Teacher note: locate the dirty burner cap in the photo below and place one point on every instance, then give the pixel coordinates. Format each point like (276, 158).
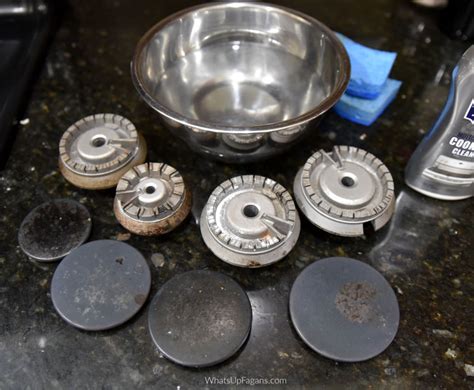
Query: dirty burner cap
(100, 285)
(200, 318)
(97, 150)
(342, 190)
(151, 199)
(51, 230)
(250, 221)
(344, 309)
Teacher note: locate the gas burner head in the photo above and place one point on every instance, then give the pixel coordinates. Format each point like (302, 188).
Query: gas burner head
(151, 199)
(342, 190)
(97, 150)
(250, 221)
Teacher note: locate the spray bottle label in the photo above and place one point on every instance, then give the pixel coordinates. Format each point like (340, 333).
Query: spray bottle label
(469, 115)
(462, 145)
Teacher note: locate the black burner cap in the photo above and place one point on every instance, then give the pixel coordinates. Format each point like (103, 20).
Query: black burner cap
(100, 285)
(200, 318)
(344, 309)
(51, 230)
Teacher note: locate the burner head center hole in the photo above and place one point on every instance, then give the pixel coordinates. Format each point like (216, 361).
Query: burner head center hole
(98, 141)
(150, 189)
(348, 179)
(250, 210)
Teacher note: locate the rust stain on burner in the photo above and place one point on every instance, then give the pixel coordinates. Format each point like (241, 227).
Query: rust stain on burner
(354, 301)
(253, 264)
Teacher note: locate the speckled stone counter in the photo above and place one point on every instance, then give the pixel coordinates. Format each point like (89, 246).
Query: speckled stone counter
(425, 252)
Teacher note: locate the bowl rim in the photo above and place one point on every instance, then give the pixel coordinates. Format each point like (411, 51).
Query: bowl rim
(302, 119)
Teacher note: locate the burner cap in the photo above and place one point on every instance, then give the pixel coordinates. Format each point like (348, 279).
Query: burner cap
(97, 150)
(344, 309)
(100, 285)
(200, 318)
(50, 231)
(342, 190)
(152, 199)
(250, 221)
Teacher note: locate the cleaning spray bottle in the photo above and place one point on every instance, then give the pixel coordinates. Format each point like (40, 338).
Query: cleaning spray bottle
(443, 164)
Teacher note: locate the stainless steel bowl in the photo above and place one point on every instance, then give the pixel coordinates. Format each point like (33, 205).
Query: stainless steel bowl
(240, 81)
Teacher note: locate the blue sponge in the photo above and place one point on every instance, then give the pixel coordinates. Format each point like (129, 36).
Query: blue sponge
(365, 111)
(369, 69)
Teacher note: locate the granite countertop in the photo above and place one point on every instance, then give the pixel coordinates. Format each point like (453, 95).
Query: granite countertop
(425, 252)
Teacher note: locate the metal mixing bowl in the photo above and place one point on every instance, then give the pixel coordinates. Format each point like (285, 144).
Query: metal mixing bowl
(240, 81)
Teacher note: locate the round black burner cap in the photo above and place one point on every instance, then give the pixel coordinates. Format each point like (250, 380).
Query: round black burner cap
(200, 318)
(100, 285)
(344, 309)
(53, 229)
